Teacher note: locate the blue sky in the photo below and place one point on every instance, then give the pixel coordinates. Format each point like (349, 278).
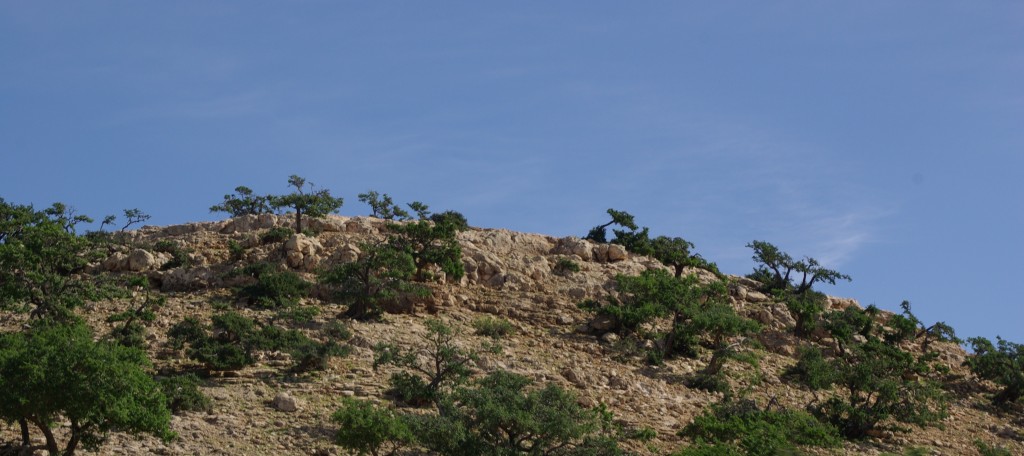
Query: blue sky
(885, 139)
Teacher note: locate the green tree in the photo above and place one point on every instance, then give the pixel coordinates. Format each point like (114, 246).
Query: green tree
(777, 269)
(1002, 363)
(133, 217)
(453, 218)
(621, 218)
(502, 416)
(759, 432)
(368, 429)
(309, 202)
(421, 383)
(381, 273)
(429, 243)
(243, 202)
(382, 206)
(877, 382)
(272, 287)
(43, 265)
(806, 308)
(54, 373)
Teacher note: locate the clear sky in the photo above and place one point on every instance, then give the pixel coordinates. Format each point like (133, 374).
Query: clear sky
(885, 139)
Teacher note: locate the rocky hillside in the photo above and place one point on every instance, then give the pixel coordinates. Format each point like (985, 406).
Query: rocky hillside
(264, 409)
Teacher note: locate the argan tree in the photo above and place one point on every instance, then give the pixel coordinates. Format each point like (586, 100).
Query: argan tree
(305, 201)
(429, 371)
(429, 243)
(243, 202)
(621, 218)
(1002, 363)
(56, 373)
(778, 270)
(381, 273)
(382, 206)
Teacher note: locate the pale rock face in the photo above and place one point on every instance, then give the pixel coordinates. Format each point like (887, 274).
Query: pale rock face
(575, 246)
(284, 402)
(141, 260)
(616, 253)
(302, 251)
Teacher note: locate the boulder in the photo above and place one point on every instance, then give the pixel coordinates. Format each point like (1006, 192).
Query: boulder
(284, 402)
(141, 260)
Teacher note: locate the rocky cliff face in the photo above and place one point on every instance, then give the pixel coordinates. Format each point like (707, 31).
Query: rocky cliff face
(262, 410)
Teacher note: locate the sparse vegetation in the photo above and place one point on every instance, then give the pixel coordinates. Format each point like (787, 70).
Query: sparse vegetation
(381, 273)
(1002, 363)
(495, 328)
(422, 383)
(272, 287)
(777, 270)
(243, 202)
(183, 394)
(741, 427)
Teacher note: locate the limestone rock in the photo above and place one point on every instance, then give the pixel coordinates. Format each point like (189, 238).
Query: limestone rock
(284, 402)
(141, 260)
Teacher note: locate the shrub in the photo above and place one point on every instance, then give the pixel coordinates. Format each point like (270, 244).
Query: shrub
(452, 218)
(276, 234)
(235, 250)
(812, 369)
(495, 328)
(298, 315)
(183, 394)
(565, 266)
(1002, 363)
(132, 331)
(381, 273)
(272, 287)
(429, 244)
(368, 429)
(991, 450)
(421, 383)
(179, 255)
(234, 339)
(877, 383)
(759, 432)
(500, 416)
(806, 308)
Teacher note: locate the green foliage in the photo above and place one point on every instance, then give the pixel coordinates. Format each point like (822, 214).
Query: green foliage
(453, 218)
(429, 244)
(231, 341)
(56, 373)
(134, 217)
(235, 250)
(179, 255)
(1002, 363)
(422, 210)
(276, 234)
(381, 273)
(298, 315)
(43, 262)
(495, 328)
(500, 416)
(851, 322)
(243, 202)
(183, 394)
(311, 202)
(272, 286)
(907, 326)
(991, 450)
(878, 382)
(368, 429)
(337, 330)
(446, 365)
(759, 432)
(382, 206)
(812, 369)
(776, 269)
(700, 314)
(621, 218)
(806, 308)
(132, 331)
(565, 266)
(706, 449)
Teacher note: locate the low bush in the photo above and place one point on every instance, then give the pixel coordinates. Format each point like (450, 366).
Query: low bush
(272, 286)
(276, 234)
(495, 328)
(368, 429)
(759, 432)
(183, 394)
(565, 266)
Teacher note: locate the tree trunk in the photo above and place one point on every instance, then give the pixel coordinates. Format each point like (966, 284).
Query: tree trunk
(26, 440)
